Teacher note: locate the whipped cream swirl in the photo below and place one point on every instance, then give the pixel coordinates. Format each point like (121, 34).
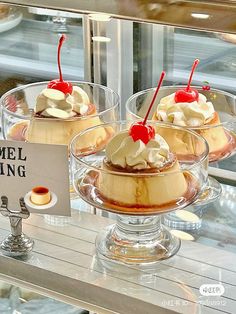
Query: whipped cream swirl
(192, 114)
(54, 103)
(122, 151)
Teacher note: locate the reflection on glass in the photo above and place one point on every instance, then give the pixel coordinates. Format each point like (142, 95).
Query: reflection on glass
(99, 17)
(102, 39)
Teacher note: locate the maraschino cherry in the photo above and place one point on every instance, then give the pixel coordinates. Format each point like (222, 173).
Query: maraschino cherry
(140, 130)
(59, 84)
(188, 94)
(206, 86)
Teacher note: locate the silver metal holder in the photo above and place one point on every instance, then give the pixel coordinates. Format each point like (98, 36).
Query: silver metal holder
(16, 243)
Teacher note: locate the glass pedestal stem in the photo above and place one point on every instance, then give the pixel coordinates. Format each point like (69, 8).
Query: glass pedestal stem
(137, 240)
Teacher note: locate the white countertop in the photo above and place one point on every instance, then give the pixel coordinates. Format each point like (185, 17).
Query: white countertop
(63, 265)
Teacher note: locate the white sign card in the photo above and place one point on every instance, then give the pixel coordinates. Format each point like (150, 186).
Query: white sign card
(37, 172)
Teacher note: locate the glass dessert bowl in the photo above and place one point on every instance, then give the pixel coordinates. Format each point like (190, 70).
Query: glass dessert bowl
(34, 113)
(212, 116)
(138, 181)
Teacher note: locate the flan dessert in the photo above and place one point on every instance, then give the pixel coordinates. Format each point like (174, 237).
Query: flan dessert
(198, 115)
(189, 108)
(58, 117)
(40, 195)
(136, 175)
(139, 177)
(61, 111)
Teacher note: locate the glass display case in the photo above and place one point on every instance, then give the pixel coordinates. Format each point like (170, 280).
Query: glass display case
(125, 45)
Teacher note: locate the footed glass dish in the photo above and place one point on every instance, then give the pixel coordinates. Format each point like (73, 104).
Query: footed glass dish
(138, 197)
(21, 123)
(219, 132)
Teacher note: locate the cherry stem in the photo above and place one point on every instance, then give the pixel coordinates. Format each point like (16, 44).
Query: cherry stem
(195, 63)
(154, 96)
(61, 40)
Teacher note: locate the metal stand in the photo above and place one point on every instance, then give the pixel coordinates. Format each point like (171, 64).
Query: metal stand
(17, 243)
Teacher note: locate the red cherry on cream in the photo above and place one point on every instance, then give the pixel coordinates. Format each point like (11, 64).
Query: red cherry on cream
(59, 84)
(140, 130)
(145, 133)
(63, 86)
(188, 94)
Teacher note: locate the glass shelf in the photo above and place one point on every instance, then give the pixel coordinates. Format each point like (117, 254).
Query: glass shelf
(16, 300)
(218, 15)
(63, 264)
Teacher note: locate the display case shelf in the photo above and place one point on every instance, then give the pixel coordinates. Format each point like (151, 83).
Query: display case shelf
(206, 15)
(64, 266)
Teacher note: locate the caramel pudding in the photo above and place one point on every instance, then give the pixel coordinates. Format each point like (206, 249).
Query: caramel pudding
(61, 111)
(198, 115)
(58, 117)
(40, 195)
(140, 178)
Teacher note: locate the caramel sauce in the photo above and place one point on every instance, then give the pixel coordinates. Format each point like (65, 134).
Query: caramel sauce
(18, 131)
(89, 191)
(40, 190)
(166, 166)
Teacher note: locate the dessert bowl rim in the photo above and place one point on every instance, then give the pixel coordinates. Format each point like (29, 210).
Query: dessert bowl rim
(201, 127)
(29, 117)
(139, 174)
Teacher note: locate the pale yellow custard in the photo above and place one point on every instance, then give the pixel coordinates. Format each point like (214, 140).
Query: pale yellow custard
(139, 177)
(40, 195)
(58, 118)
